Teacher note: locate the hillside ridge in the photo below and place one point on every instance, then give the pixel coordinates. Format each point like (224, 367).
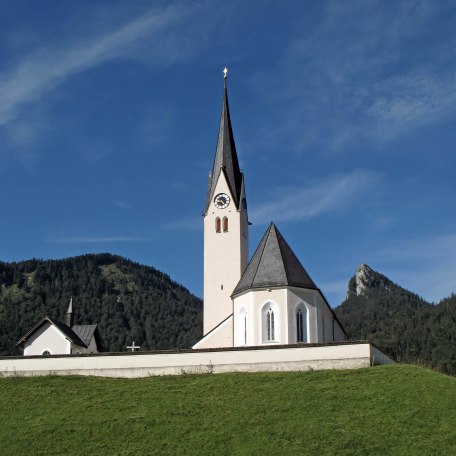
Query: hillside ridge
(398, 321)
(128, 300)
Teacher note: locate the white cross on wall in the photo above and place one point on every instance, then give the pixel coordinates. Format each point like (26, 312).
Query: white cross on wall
(133, 347)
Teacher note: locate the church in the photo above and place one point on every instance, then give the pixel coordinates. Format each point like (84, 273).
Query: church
(262, 314)
(269, 300)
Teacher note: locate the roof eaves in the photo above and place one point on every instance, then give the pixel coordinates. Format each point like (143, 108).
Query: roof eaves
(31, 331)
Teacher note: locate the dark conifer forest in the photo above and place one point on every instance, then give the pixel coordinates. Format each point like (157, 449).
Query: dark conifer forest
(132, 302)
(400, 322)
(129, 301)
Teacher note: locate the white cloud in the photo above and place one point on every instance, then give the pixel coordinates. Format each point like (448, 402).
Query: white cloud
(185, 224)
(44, 69)
(412, 99)
(423, 265)
(325, 195)
(367, 71)
(122, 204)
(96, 240)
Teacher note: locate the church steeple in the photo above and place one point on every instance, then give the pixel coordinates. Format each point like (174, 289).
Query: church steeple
(69, 320)
(226, 227)
(226, 160)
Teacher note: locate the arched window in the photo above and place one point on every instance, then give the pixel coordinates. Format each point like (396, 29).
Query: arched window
(46, 353)
(225, 224)
(270, 323)
(301, 323)
(217, 225)
(243, 327)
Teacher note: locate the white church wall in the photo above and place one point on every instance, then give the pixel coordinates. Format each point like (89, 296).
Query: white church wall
(296, 296)
(255, 302)
(245, 302)
(339, 334)
(225, 258)
(47, 338)
(308, 310)
(378, 357)
(129, 365)
(332, 332)
(222, 336)
(284, 302)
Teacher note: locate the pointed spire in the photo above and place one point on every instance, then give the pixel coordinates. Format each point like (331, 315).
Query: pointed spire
(69, 320)
(226, 160)
(274, 264)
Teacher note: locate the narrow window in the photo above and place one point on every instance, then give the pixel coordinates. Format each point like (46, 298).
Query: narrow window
(245, 329)
(299, 326)
(301, 323)
(225, 224)
(217, 225)
(270, 324)
(241, 326)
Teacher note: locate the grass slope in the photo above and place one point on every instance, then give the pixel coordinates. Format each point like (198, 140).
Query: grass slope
(383, 410)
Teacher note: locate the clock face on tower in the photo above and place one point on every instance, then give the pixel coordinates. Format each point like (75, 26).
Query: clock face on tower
(221, 201)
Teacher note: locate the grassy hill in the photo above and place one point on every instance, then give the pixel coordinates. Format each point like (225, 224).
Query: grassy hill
(393, 410)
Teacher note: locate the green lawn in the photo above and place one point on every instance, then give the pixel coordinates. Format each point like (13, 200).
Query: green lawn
(383, 410)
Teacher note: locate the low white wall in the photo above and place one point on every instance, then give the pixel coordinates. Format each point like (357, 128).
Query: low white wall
(378, 357)
(129, 365)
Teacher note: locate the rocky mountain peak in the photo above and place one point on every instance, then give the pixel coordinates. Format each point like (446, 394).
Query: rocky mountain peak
(366, 279)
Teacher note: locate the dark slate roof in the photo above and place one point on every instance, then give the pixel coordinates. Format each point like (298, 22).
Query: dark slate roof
(225, 160)
(274, 264)
(85, 332)
(66, 330)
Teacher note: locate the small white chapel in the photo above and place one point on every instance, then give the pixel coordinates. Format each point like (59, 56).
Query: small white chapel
(53, 337)
(269, 300)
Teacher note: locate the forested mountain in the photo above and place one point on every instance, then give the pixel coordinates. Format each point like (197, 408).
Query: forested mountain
(128, 300)
(134, 302)
(398, 321)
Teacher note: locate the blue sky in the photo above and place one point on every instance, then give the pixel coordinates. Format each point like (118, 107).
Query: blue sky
(344, 116)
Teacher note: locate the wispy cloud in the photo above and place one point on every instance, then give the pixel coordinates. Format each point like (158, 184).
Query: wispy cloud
(185, 224)
(369, 70)
(431, 248)
(44, 69)
(95, 240)
(425, 265)
(325, 195)
(122, 204)
(412, 99)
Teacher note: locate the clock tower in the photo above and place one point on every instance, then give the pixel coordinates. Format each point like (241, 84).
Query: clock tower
(225, 230)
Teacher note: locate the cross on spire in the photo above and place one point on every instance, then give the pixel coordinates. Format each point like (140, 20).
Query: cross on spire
(225, 73)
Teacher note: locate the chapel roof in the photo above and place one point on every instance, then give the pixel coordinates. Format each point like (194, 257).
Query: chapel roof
(85, 332)
(274, 264)
(62, 327)
(225, 160)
